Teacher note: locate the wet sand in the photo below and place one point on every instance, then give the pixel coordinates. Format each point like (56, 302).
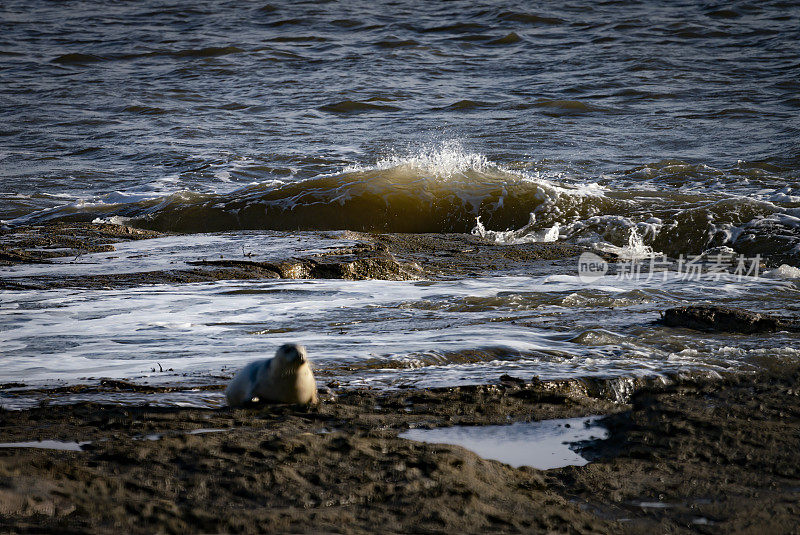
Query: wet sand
(701, 455)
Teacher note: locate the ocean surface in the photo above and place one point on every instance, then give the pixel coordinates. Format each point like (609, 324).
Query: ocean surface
(633, 127)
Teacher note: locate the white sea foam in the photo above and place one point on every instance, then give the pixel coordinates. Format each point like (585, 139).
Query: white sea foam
(173, 252)
(450, 160)
(784, 271)
(113, 220)
(378, 333)
(526, 234)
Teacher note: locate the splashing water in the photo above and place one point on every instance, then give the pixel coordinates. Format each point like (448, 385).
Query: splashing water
(635, 248)
(443, 161)
(526, 234)
(444, 187)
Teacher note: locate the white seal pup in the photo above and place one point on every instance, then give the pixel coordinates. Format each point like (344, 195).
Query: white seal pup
(285, 378)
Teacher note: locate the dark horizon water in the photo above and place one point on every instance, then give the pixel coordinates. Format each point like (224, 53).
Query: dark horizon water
(259, 114)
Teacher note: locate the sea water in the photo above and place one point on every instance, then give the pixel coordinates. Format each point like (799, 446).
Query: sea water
(639, 129)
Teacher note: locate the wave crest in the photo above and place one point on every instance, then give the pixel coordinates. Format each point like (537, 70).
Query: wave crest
(446, 188)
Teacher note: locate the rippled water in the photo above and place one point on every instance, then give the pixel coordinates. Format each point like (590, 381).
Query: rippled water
(379, 334)
(677, 122)
(150, 99)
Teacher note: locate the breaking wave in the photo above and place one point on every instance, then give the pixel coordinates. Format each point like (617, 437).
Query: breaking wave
(441, 190)
(448, 189)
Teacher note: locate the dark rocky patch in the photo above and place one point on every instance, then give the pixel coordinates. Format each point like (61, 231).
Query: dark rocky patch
(37, 244)
(461, 255)
(698, 457)
(356, 263)
(727, 319)
(336, 467)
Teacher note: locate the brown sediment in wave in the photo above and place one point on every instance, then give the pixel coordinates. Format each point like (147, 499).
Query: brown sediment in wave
(465, 105)
(352, 106)
(447, 190)
(394, 200)
(509, 39)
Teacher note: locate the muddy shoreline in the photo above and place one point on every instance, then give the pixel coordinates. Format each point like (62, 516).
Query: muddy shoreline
(694, 455)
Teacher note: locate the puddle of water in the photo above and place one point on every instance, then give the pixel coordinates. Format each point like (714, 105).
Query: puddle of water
(653, 505)
(47, 445)
(543, 445)
(203, 431)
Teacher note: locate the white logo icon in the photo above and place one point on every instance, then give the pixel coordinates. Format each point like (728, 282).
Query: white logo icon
(591, 267)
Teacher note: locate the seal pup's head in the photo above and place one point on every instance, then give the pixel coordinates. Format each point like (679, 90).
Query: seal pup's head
(292, 355)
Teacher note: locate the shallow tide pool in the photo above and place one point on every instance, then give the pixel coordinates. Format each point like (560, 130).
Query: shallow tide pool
(544, 445)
